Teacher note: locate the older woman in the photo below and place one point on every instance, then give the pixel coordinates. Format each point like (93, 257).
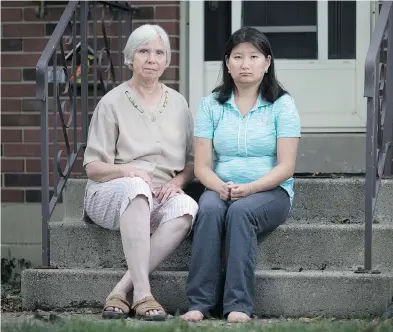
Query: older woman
(138, 157)
(252, 126)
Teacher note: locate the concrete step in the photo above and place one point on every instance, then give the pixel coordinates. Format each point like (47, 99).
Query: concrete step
(291, 247)
(324, 200)
(278, 293)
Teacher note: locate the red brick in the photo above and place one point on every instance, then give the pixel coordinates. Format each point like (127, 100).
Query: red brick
(11, 44)
(59, 147)
(34, 45)
(10, 105)
(171, 74)
(20, 120)
(11, 14)
(34, 135)
(144, 13)
(12, 195)
(22, 180)
(167, 12)
(175, 43)
(34, 165)
(10, 75)
(21, 150)
(18, 4)
(19, 60)
(23, 30)
(114, 43)
(66, 117)
(111, 30)
(174, 59)
(11, 135)
(18, 90)
(12, 165)
(33, 150)
(53, 14)
(171, 28)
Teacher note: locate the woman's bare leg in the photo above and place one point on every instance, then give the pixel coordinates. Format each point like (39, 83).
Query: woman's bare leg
(137, 248)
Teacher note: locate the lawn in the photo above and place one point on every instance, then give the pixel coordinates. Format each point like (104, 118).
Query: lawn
(313, 325)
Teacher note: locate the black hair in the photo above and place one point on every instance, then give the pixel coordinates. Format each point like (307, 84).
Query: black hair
(270, 89)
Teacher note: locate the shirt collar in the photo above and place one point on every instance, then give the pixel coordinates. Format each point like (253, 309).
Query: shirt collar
(260, 101)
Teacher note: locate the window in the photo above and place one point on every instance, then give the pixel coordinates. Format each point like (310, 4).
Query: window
(291, 26)
(342, 40)
(217, 28)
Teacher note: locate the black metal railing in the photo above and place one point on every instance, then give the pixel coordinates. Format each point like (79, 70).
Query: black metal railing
(78, 63)
(378, 89)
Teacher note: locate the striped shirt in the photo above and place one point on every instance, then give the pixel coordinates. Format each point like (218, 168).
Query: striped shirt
(245, 147)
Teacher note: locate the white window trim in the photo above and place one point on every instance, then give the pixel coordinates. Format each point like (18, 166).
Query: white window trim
(196, 54)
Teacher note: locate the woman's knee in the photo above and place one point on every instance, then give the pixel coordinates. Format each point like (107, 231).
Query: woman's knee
(211, 203)
(186, 223)
(188, 209)
(135, 189)
(135, 185)
(238, 213)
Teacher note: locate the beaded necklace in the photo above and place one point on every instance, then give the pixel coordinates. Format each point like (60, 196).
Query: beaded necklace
(135, 104)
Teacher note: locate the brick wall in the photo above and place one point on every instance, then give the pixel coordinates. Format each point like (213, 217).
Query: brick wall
(24, 37)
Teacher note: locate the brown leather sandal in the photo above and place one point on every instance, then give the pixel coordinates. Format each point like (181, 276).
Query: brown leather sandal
(116, 301)
(148, 303)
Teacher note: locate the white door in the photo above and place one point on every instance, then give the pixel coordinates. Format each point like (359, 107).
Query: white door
(319, 49)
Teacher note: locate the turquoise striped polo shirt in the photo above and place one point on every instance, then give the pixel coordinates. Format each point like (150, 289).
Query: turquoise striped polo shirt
(245, 147)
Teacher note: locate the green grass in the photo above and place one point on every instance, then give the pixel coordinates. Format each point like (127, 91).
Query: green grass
(322, 325)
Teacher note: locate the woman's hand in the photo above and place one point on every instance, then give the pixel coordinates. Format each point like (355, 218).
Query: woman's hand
(240, 190)
(132, 172)
(166, 191)
(225, 191)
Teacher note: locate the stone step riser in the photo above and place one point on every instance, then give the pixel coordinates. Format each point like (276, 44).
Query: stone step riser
(290, 247)
(326, 200)
(311, 294)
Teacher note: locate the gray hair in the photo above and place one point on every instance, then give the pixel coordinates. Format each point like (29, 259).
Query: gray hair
(142, 35)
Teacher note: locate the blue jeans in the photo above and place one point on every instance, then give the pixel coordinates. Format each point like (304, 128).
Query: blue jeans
(236, 225)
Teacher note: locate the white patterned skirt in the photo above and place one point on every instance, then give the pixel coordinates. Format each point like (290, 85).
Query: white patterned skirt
(105, 203)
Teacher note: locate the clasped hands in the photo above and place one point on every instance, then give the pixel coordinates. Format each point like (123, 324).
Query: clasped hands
(231, 191)
(162, 193)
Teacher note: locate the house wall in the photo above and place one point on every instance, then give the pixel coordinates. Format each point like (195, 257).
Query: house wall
(24, 36)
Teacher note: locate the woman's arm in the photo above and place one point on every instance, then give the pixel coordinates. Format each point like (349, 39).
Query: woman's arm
(187, 174)
(286, 161)
(203, 165)
(100, 149)
(184, 177)
(288, 133)
(102, 172)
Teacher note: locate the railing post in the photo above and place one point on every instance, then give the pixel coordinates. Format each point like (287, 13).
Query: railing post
(388, 128)
(42, 96)
(84, 8)
(377, 86)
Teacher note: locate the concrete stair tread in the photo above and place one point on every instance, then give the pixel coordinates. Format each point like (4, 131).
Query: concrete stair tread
(292, 246)
(258, 272)
(278, 293)
(289, 224)
(316, 199)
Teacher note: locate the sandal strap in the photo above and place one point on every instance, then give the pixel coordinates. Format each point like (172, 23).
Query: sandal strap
(146, 304)
(117, 301)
